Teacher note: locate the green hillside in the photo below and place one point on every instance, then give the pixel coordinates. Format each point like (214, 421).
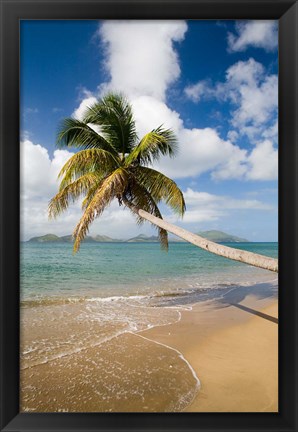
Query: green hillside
(141, 238)
(104, 238)
(48, 238)
(213, 235)
(221, 237)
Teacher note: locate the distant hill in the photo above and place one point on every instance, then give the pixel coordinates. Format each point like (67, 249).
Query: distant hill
(141, 238)
(69, 239)
(216, 236)
(48, 238)
(104, 238)
(221, 237)
(52, 238)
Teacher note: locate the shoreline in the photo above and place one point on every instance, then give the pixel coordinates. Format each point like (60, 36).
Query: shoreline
(221, 353)
(232, 349)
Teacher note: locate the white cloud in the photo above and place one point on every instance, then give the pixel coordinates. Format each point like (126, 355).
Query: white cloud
(39, 173)
(145, 83)
(255, 93)
(258, 34)
(150, 112)
(38, 184)
(253, 96)
(206, 207)
(200, 150)
(264, 162)
(198, 91)
(85, 103)
(140, 56)
(233, 135)
(271, 132)
(204, 199)
(244, 72)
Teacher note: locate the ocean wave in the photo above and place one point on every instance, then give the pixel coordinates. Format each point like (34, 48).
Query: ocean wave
(192, 291)
(115, 298)
(51, 301)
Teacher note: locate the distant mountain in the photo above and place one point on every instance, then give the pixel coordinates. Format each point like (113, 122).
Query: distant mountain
(48, 238)
(52, 238)
(221, 237)
(216, 236)
(67, 238)
(104, 238)
(142, 238)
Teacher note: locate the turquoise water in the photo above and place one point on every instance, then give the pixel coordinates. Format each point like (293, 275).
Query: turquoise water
(111, 269)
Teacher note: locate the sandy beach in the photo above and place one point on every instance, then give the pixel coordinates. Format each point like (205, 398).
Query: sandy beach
(220, 356)
(234, 352)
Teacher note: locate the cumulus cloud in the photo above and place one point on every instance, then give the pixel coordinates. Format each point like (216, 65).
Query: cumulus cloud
(258, 34)
(263, 162)
(87, 100)
(271, 132)
(254, 93)
(39, 173)
(204, 199)
(146, 81)
(206, 207)
(198, 91)
(202, 150)
(253, 96)
(140, 55)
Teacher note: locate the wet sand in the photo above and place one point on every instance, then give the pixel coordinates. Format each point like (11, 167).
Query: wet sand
(127, 374)
(230, 346)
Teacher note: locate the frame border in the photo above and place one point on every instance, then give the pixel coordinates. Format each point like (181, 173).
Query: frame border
(11, 11)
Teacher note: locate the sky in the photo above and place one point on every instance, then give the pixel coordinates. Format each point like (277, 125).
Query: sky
(215, 83)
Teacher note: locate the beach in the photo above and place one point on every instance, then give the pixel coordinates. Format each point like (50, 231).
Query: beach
(217, 357)
(179, 332)
(233, 350)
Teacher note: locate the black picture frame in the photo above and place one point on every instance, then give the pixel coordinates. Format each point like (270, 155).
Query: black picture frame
(286, 11)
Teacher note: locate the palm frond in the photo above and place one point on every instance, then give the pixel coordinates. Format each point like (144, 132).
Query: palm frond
(89, 196)
(142, 199)
(161, 187)
(76, 133)
(112, 186)
(71, 193)
(114, 115)
(111, 165)
(91, 160)
(158, 142)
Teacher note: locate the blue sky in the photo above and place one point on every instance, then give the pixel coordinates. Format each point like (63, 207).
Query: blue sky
(213, 82)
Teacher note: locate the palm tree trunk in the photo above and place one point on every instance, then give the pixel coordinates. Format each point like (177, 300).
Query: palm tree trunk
(246, 257)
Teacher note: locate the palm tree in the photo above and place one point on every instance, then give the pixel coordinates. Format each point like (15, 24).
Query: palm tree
(113, 164)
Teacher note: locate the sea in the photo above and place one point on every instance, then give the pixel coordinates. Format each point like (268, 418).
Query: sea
(93, 300)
